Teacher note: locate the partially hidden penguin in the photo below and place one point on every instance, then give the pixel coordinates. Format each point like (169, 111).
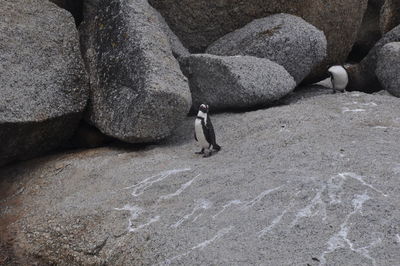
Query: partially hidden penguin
(204, 132)
(339, 78)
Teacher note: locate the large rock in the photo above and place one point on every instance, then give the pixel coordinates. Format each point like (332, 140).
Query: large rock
(285, 39)
(390, 15)
(44, 87)
(318, 180)
(138, 93)
(365, 71)
(178, 50)
(369, 32)
(234, 82)
(388, 68)
(199, 23)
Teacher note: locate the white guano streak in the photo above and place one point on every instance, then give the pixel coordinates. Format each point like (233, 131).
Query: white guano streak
(179, 191)
(139, 188)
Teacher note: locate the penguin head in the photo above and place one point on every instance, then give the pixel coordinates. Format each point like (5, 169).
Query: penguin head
(339, 77)
(203, 108)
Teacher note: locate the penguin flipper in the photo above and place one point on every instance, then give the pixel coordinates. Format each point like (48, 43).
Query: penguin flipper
(195, 137)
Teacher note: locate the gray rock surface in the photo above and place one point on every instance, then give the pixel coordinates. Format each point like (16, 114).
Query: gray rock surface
(198, 23)
(44, 87)
(390, 15)
(388, 68)
(138, 92)
(285, 39)
(234, 82)
(178, 50)
(315, 182)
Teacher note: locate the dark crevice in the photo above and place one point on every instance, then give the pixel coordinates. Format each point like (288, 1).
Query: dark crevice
(75, 7)
(368, 33)
(358, 52)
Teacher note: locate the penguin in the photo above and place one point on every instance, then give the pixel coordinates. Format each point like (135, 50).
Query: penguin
(204, 132)
(339, 78)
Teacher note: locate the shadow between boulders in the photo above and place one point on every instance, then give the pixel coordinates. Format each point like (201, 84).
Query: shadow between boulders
(300, 93)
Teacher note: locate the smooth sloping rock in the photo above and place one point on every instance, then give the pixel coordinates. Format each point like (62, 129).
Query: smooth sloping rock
(365, 71)
(178, 50)
(233, 82)
(285, 39)
(388, 68)
(315, 180)
(43, 83)
(390, 15)
(198, 23)
(138, 92)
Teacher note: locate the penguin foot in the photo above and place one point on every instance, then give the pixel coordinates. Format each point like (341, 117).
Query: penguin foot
(200, 152)
(216, 147)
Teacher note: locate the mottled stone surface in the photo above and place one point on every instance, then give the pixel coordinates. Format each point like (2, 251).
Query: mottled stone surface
(315, 182)
(388, 68)
(235, 82)
(198, 23)
(390, 15)
(282, 38)
(138, 92)
(178, 50)
(44, 87)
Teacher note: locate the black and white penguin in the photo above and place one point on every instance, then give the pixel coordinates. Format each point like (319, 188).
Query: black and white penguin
(204, 132)
(339, 78)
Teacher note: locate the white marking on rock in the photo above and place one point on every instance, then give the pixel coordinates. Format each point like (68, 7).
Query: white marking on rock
(334, 189)
(272, 225)
(380, 127)
(200, 205)
(180, 190)
(361, 180)
(359, 201)
(152, 220)
(260, 197)
(140, 188)
(340, 239)
(197, 217)
(366, 104)
(369, 104)
(398, 238)
(345, 110)
(134, 211)
(230, 203)
(219, 234)
(316, 206)
(201, 245)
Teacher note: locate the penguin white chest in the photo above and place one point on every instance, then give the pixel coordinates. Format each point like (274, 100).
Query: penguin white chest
(201, 138)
